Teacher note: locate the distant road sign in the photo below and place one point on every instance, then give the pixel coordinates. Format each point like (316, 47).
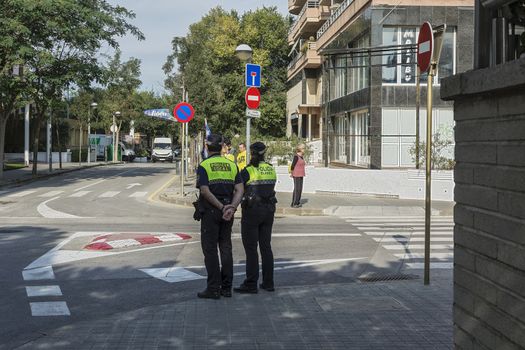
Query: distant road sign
(253, 75)
(253, 98)
(253, 113)
(184, 112)
(425, 47)
(163, 113)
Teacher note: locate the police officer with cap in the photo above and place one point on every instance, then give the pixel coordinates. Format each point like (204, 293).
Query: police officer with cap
(221, 192)
(258, 210)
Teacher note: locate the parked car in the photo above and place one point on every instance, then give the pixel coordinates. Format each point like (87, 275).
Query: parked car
(128, 154)
(162, 150)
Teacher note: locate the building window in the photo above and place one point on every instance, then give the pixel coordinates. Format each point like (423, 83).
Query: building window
(399, 65)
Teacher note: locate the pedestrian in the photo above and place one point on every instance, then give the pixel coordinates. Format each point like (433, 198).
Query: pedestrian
(258, 210)
(221, 189)
(297, 170)
(226, 150)
(241, 156)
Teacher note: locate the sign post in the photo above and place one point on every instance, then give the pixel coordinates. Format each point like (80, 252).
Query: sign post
(427, 59)
(253, 98)
(184, 113)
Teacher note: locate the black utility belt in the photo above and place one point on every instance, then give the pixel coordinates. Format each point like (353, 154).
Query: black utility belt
(251, 200)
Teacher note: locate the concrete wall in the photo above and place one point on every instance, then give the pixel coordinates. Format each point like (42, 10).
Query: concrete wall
(403, 184)
(489, 239)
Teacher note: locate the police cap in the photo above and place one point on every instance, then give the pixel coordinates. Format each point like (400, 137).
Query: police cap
(214, 140)
(258, 147)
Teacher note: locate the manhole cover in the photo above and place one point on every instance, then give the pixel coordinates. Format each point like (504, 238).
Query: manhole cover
(359, 304)
(386, 277)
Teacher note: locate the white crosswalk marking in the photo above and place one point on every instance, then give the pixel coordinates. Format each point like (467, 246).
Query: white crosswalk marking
(51, 194)
(79, 194)
(404, 237)
(21, 194)
(138, 194)
(109, 194)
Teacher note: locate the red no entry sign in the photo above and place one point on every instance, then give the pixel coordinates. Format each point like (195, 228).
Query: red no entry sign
(253, 98)
(183, 112)
(425, 47)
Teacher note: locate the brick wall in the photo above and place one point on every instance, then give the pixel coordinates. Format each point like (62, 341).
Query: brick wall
(489, 237)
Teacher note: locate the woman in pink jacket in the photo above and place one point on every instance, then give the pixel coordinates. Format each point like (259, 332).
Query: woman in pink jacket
(298, 173)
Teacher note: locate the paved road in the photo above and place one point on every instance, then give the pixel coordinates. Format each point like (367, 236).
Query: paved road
(51, 280)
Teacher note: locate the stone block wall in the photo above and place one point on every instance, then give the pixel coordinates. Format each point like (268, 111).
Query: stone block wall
(489, 236)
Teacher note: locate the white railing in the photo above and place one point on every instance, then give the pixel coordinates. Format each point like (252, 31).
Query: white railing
(308, 5)
(335, 15)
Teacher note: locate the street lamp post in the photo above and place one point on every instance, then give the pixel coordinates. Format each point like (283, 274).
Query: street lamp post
(93, 105)
(245, 54)
(114, 130)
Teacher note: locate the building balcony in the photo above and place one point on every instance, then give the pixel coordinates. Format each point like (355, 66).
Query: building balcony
(340, 19)
(295, 6)
(309, 20)
(307, 59)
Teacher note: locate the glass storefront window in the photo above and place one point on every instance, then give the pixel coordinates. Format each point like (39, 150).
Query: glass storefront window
(399, 66)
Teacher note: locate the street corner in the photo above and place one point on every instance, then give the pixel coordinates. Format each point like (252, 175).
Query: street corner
(122, 240)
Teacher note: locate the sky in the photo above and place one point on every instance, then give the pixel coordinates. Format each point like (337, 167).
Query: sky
(161, 20)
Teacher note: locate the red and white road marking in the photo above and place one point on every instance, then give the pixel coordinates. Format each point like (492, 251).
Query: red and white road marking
(125, 240)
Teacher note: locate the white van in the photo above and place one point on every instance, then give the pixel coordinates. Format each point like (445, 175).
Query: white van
(162, 150)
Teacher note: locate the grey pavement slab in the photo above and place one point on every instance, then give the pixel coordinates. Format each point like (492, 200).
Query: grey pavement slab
(384, 315)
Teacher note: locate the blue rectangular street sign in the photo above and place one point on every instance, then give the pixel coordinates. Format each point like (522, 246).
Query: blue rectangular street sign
(253, 75)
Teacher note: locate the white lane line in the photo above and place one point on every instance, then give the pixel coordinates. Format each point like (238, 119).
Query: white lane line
(51, 194)
(109, 194)
(416, 246)
(50, 308)
(394, 225)
(413, 239)
(422, 255)
(138, 194)
(49, 213)
(87, 186)
(79, 194)
(43, 291)
(409, 233)
(397, 218)
(433, 265)
(21, 194)
(37, 274)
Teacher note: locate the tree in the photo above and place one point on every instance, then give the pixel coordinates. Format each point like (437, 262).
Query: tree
(204, 62)
(65, 47)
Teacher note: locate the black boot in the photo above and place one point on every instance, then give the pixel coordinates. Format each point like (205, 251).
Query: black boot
(266, 288)
(209, 294)
(226, 292)
(244, 289)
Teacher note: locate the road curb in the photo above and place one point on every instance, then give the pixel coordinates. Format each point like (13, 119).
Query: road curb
(187, 202)
(47, 176)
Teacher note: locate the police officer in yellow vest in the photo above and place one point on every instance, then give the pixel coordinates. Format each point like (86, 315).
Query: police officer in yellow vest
(258, 210)
(221, 192)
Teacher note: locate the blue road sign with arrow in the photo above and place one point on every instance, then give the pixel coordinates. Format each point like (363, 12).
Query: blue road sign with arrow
(253, 75)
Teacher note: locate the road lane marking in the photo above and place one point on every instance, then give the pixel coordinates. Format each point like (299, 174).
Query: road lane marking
(130, 186)
(409, 246)
(43, 291)
(109, 194)
(39, 273)
(87, 186)
(51, 194)
(49, 213)
(21, 194)
(409, 233)
(413, 239)
(173, 274)
(422, 255)
(139, 194)
(79, 194)
(50, 308)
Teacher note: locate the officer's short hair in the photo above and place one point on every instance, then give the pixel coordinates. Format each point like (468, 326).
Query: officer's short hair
(214, 142)
(258, 148)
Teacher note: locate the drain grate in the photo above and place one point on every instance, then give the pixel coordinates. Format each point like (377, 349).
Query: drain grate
(386, 277)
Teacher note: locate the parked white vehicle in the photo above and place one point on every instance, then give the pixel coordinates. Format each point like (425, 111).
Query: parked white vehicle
(128, 154)
(162, 150)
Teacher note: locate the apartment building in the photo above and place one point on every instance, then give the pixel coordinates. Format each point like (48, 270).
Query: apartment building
(351, 79)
